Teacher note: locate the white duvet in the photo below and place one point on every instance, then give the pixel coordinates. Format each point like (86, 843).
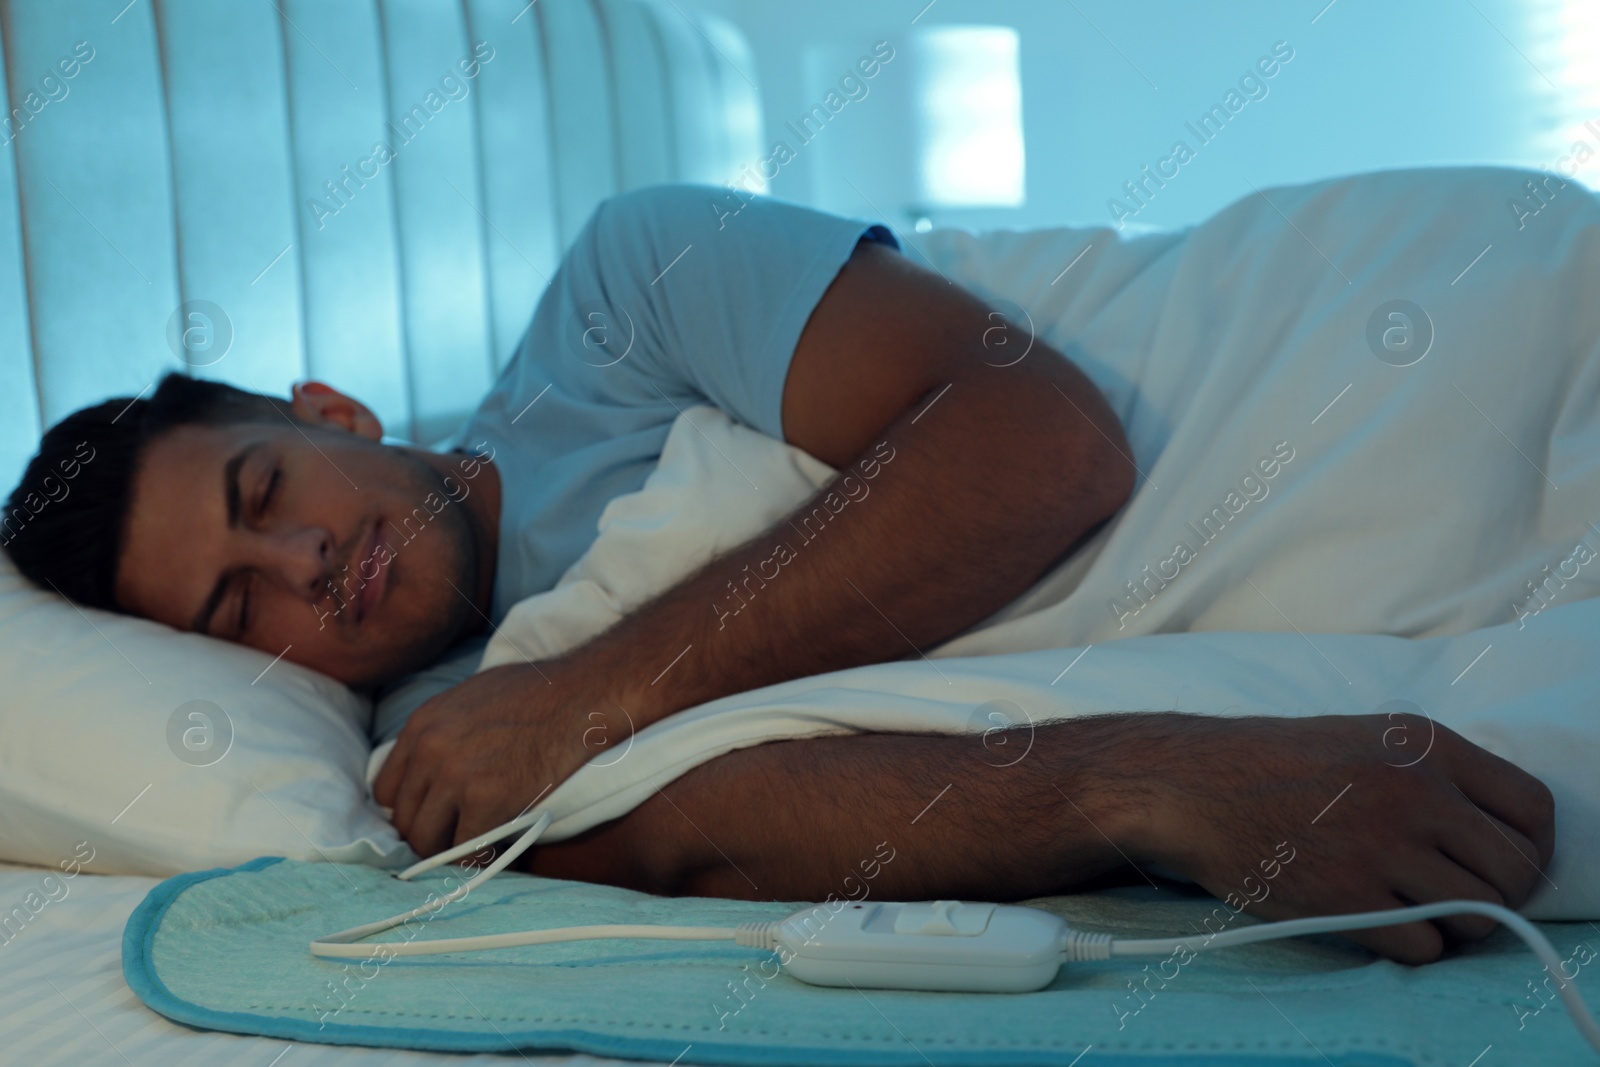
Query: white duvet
(1365, 416)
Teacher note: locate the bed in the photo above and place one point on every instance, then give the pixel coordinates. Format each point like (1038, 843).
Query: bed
(256, 215)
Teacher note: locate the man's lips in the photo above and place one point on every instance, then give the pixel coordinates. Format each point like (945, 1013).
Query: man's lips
(373, 574)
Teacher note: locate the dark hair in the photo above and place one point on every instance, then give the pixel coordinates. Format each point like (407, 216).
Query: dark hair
(66, 521)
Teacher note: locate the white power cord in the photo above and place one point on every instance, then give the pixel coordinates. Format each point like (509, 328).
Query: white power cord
(942, 945)
(339, 944)
(342, 944)
(1530, 934)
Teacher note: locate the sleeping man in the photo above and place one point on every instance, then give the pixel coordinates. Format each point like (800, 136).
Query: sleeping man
(292, 526)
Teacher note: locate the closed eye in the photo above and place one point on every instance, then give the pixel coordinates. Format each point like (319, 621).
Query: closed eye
(261, 511)
(244, 604)
(272, 486)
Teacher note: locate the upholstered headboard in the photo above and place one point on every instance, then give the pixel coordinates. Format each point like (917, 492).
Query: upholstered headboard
(206, 155)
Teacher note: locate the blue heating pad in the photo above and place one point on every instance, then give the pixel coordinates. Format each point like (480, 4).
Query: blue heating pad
(225, 949)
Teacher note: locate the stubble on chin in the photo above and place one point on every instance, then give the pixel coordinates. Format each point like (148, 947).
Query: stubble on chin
(439, 587)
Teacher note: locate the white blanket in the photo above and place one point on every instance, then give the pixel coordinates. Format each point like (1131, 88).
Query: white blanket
(1317, 527)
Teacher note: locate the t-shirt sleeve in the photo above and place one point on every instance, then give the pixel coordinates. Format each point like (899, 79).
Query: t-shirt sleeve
(668, 297)
(712, 288)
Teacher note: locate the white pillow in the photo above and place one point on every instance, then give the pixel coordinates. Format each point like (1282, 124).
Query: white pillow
(165, 752)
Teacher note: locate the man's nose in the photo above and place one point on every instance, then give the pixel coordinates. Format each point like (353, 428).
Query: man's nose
(305, 560)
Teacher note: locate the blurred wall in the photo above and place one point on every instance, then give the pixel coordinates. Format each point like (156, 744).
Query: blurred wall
(1108, 86)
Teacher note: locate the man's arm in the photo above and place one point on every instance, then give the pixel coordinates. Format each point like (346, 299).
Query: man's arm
(961, 482)
(968, 470)
(1242, 805)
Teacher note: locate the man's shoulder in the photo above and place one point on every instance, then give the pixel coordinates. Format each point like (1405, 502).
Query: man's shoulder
(653, 209)
(671, 199)
(674, 213)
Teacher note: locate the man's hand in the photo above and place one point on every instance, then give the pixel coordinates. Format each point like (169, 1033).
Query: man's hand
(481, 752)
(1257, 810)
(1370, 824)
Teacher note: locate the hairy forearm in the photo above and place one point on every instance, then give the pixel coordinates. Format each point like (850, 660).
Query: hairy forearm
(963, 503)
(800, 820)
(1282, 816)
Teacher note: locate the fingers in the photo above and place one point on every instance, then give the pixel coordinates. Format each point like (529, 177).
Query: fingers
(1508, 792)
(1412, 943)
(409, 796)
(474, 818)
(484, 806)
(436, 818)
(387, 787)
(422, 807)
(392, 773)
(1493, 852)
(1428, 879)
(434, 827)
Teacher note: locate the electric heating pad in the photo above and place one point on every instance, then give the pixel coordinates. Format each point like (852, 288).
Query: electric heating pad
(226, 949)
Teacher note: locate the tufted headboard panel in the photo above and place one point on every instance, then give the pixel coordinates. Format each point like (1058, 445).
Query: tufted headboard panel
(370, 192)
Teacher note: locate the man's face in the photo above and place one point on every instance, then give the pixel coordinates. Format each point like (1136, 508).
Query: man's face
(342, 554)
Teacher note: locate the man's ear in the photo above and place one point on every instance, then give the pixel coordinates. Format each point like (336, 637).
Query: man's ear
(322, 405)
